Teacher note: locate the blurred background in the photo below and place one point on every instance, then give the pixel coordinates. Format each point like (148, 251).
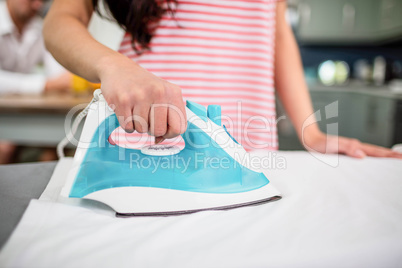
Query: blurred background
(352, 56)
(36, 93)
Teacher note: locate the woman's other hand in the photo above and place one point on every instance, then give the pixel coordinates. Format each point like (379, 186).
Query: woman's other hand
(330, 144)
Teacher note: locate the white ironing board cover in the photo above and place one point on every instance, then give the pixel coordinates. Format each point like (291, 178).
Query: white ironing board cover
(347, 216)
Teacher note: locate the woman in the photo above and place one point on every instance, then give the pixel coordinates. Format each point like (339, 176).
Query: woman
(225, 52)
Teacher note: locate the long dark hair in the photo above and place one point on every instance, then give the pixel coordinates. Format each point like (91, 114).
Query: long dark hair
(135, 17)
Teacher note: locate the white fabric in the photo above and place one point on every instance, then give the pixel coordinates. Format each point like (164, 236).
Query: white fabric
(344, 216)
(20, 56)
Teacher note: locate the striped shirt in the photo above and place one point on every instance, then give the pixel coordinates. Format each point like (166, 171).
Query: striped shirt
(219, 52)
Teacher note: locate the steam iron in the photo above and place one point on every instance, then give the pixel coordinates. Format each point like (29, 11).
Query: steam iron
(212, 172)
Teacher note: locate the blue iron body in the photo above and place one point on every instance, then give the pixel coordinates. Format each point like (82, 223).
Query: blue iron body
(213, 171)
(207, 170)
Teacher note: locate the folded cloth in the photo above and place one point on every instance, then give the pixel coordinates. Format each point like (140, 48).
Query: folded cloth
(348, 215)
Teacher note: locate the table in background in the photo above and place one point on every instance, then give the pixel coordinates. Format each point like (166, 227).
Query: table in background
(37, 119)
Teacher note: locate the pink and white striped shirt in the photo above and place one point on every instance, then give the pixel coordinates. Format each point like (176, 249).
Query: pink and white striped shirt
(220, 52)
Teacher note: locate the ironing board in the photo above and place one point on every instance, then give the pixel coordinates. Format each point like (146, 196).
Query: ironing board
(19, 184)
(338, 212)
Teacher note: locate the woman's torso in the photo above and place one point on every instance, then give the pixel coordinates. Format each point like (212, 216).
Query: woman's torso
(220, 52)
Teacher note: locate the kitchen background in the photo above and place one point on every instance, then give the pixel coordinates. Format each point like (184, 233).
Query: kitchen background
(352, 56)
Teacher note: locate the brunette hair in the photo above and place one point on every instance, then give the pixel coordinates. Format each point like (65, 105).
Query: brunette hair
(135, 17)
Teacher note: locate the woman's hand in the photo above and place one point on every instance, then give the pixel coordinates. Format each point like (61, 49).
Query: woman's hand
(142, 101)
(329, 144)
(59, 84)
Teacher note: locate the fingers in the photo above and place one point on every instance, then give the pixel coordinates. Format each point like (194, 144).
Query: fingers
(158, 120)
(159, 140)
(140, 118)
(351, 147)
(121, 105)
(167, 121)
(394, 154)
(177, 122)
(356, 149)
(125, 118)
(378, 151)
(146, 104)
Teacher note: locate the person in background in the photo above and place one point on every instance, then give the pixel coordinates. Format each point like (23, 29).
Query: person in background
(207, 51)
(22, 50)
(23, 54)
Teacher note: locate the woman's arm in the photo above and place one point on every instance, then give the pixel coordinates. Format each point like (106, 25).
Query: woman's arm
(133, 91)
(293, 92)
